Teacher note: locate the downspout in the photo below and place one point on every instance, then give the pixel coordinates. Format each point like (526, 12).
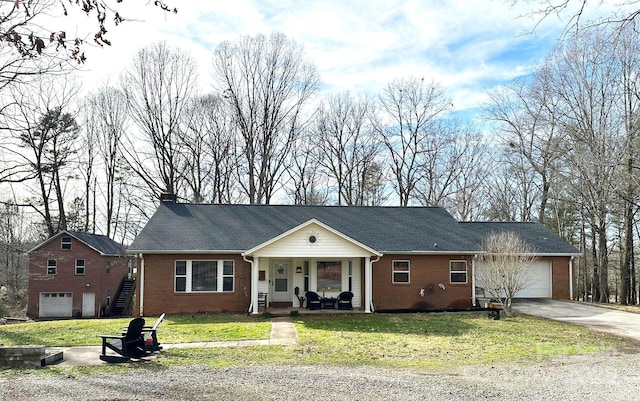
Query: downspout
(368, 282)
(571, 278)
(254, 286)
(141, 284)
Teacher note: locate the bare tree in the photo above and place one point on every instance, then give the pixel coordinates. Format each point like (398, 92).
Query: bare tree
(157, 89)
(526, 113)
(347, 145)
(585, 80)
(504, 270)
(468, 165)
(309, 181)
(267, 83)
(626, 53)
(404, 121)
(106, 124)
(42, 123)
(209, 140)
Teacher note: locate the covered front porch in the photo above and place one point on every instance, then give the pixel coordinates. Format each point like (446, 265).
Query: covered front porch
(311, 257)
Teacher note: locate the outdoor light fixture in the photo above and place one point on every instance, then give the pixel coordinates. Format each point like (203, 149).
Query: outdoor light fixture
(299, 269)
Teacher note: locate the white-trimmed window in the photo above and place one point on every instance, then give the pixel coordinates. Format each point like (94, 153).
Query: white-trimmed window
(80, 267)
(65, 243)
(204, 276)
(52, 267)
(401, 272)
(458, 271)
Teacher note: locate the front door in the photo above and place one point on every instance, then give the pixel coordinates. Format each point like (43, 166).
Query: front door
(280, 281)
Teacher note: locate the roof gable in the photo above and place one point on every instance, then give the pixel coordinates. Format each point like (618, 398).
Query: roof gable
(99, 243)
(312, 238)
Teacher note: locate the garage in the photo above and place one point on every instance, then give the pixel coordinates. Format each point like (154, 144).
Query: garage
(55, 304)
(540, 280)
(540, 285)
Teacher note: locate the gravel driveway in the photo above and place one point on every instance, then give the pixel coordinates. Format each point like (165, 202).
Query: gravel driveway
(599, 376)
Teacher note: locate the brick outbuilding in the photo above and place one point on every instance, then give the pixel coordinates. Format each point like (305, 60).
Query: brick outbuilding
(75, 274)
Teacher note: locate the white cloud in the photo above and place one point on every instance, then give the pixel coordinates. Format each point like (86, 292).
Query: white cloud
(357, 45)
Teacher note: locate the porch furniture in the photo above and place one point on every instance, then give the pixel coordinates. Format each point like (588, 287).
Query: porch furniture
(329, 303)
(314, 301)
(344, 300)
(128, 345)
(262, 299)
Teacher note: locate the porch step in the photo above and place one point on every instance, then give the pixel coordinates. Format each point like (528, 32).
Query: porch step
(280, 304)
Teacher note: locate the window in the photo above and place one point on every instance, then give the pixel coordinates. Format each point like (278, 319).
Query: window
(79, 267)
(458, 271)
(400, 271)
(330, 276)
(204, 276)
(65, 243)
(181, 275)
(52, 267)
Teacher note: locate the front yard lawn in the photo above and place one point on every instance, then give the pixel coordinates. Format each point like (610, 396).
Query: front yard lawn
(419, 341)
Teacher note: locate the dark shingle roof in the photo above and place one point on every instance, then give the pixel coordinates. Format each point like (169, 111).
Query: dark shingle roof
(104, 245)
(100, 243)
(178, 227)
(543, 240)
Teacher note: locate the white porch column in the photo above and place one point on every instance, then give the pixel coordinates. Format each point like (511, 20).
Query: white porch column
(367, 284)
(255, 268)
(570, 277)
(473, 281)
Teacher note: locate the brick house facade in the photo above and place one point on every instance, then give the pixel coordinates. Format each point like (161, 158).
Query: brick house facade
(207, 258)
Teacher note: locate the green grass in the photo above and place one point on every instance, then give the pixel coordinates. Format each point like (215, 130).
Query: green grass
(428, 341)
(173, 329)
(417, 341)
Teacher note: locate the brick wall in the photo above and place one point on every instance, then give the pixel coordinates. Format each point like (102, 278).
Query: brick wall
(426, 271)
(101, 274)
(560, 277)
(160, 297)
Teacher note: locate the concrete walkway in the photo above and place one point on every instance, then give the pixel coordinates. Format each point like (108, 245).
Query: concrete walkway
(619, 323)
(283, 332)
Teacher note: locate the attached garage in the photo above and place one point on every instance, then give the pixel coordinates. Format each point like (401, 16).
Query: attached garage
(56, 304)
(539, 280)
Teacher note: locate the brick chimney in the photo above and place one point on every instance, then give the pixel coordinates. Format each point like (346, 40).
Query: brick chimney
(168, 197)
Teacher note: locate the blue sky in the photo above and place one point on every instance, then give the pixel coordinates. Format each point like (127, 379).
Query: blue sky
(467, 46)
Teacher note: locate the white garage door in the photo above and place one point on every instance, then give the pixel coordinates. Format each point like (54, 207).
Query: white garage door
(540, 280)
(56, 304)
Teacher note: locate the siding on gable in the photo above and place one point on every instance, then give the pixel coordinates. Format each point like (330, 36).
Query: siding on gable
(297, 245)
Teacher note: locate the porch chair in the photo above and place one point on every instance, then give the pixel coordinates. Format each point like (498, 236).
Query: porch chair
(128, 345)
(344, 300)
(314, 301)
